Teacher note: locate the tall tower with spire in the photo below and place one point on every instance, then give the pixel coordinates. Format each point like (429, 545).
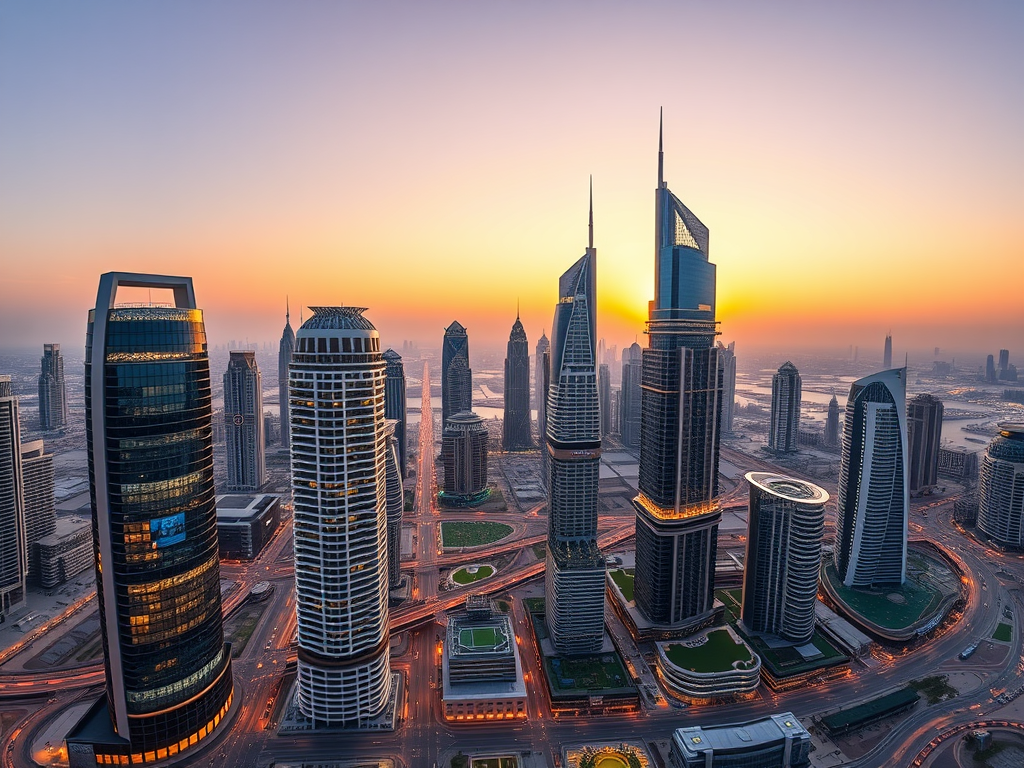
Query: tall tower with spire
(516, 425)
(456, 375)
(676, 516)
(574, 579)
(284, 359)
(887, 353)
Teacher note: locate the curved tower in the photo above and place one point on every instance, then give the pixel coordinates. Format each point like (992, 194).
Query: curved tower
(516, 424)
(871, 519)
(780, 574)
(785, 422)
(394, 400)
(339, 465)
(284, 359)
(1001, 487)
(150, 438)
(677, 520)
(396, 505)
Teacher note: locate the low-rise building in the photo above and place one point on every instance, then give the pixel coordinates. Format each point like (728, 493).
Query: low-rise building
(65, 553)
(778, 741)
(245, 523)
(713, 664)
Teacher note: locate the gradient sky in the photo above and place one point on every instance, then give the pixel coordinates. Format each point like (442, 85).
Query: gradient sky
(860, 165)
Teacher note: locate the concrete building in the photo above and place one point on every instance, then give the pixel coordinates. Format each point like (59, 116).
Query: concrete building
(887, 353)
(871, 519)
(604, 396)
(53, 392)
(784, 426)
(783, 558)
(574, 571)
(246, 523)
(698, 678)
(959, 463)
(395, 403)
(464, 457)
(481, 671)
(13, 543)
(243, 424)
(924, 437)
(831, 437)
(727, 356)
(1001, 487)
(777, 741)
(540, 396)
(38, 491)
(395, 495)
(631, 396)
(456, 375)
(64, 553)
(676, 516)
(284, 358)
(339, 468)
(148, 416)
(516, 423)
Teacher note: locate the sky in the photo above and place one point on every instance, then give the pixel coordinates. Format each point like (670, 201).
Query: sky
(859, 165)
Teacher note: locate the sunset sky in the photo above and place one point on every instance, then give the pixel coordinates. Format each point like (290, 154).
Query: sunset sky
(860, 165)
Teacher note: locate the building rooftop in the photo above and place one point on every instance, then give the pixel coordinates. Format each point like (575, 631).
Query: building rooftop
(66, 526)
(695, 740)
(788, 488)
(235, 507)
(337, 318)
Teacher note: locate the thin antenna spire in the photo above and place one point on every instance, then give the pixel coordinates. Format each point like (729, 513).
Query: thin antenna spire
(517, 307)
(591, 211)
(287, 310)
(661, 150)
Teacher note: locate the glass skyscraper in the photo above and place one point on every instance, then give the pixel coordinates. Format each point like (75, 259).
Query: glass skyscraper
(516, 424)
(243, 423)
(150, 440)
(1001, 487)
(682, 378)
(784, 426)
(284, 359)
(456, 375)
(13, 546)
(53, 393)
(395, 402)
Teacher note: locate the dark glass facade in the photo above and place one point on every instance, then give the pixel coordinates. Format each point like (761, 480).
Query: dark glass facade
(155, 527)
(456, 375)
(394, 400)
(516, 424)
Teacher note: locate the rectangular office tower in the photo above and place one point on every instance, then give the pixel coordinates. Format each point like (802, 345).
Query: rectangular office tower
(339, 469)
(394, 401)
(516, 424)
(575, 573)
(53, 391)
(676, 517)
(40, 509)
(243, 424)
(149, 431)
(13, 545)
(785, 422)
(871, 519)
(924, 438)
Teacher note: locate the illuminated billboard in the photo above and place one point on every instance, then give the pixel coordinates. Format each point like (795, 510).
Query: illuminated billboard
(165, 531)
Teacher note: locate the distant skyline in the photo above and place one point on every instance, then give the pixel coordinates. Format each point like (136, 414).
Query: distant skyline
(858, 166)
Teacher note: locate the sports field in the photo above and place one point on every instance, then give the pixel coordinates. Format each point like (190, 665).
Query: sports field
(479, 637)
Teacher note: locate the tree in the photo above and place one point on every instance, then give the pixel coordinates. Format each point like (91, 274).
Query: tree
(460, 761)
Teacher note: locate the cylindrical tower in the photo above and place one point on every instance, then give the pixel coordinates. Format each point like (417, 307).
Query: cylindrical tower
(396, 505)
(339, 458)
(780, 575)
(1001, 488)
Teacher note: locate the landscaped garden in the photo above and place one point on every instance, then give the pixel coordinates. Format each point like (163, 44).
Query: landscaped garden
(623, 579)
(1004, 632)
(587, 673)
(472, 534)
(470, 573)
(895, 607)
(718, 654)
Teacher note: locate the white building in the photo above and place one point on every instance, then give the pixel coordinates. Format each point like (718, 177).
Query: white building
(1001, 487)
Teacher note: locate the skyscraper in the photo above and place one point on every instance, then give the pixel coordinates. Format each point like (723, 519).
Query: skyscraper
(784, 426)
(727, 358)
(575, 573)
(394, 401)
(1001, 487)
(831, 438)
(604, 395)
(1004, 361)
(53, 394)
(924, 438)
(464, 456)
(339, 467)
(395, 505)
(990, 369)
(284, 359)
(676, 517)
(631, 396)
(243, 424)
(545, 457)
(516, 425)
(149, 434)
(13, 546)
(38, 491)
(871, 519)
(456, 375)
(780, 575)
(887, 354)
(540, 386)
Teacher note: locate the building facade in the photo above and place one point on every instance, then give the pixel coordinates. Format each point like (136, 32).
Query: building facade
(727, 355)
(53, 391)
(395, 402)
(464, 457)
(1001, 487)
(887, 353)
(924, 436)
(456, 375)
(871, 519)
(574, 572)
(395, 505)
(13, 544)
(246, 523)
(243, 424)
(677, 518)
(777, 741)
(38, 492)
(831, 437)
(780, 574)
(784, 427)
(149, 435)
(339, 468)
(540, 395)
(516, 424)
(284, 358)
(65, 553)
(604, 396)
(631, 396)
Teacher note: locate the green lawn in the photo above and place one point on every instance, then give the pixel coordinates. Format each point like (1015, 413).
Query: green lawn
(472, 534)
(716, 655)
(918, 601)
(1004, 632)
(624, 581)
(463, 576)
(588, 673)
(480, 637)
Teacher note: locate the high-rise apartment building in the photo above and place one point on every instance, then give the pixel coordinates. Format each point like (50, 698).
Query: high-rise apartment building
(540, 395)
(516, 424)
(887, 353)
(784, 426)
(53, 392)
(727, 359)
(990, 369)
(871, 519)
(545, 457)
(38, 492)
(395, 402)
(284, 359)
(575, 573)
(604, 396)
(831, 439)
(780, 574)
(631, 396)
(395, 505)
(339, 469)
(677, 518)
(464, 457)
(243, 424)
(13, 545)
(149, 434)
(456, 375)
(1001, 487)
(1004, 361)
(924, 438)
